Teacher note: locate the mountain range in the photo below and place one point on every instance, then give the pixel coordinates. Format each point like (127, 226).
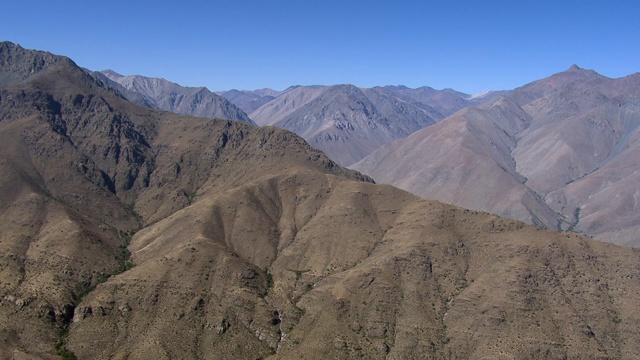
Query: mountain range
(348, 123)
(130, 232)
(559, 152)
(249, 100)
(344, 121)
(158, 93)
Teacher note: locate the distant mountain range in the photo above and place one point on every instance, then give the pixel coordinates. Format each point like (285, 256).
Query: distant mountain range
(130, 232)
(345, 122)
(348, 123)
(250, 100)
(528, 154)
(162, 94)
(560, 152)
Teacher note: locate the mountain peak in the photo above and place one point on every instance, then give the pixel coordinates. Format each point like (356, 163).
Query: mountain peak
(111, 74)
(576, 69)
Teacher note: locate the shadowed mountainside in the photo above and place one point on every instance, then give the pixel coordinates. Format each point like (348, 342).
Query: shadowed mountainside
(136, 233)
(559, 152)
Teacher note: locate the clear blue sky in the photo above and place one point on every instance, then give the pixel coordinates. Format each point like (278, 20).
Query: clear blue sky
(471, 46)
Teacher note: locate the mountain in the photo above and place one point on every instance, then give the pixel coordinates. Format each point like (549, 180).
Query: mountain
(288, 101)
(249, 100)
(129, 232)
(559, 153)
(82, 169)
(308, 266)
(344, 121)
(161, 94)
(445, 102)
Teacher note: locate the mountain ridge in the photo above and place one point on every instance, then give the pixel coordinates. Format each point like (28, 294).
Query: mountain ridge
(163, 94)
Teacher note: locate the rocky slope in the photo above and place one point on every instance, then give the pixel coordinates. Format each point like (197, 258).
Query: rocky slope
(161, 94)
(304, 265)
(558, 153)
(348, 123)
(135, 233)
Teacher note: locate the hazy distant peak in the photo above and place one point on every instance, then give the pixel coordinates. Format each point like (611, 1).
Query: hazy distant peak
(350, 88)
(292, 87)
(152, 80)
(393, 87)
(133, 80)
(111, 74)
(480, 95)
(264, 92)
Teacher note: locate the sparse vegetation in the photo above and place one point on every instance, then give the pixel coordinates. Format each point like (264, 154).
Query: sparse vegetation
(576, 214)
(124, 256)
(190, 195)
(269, 284)
(308, 287)
(298, 273)
(65, 353)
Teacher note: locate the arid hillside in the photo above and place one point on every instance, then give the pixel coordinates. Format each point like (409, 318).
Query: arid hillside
(135, 233)
(82, 169)
(559, 152)
(306, 265)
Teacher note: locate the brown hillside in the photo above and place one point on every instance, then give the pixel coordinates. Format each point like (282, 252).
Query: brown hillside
(306, 265)
(82, 169)
(250, 244)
